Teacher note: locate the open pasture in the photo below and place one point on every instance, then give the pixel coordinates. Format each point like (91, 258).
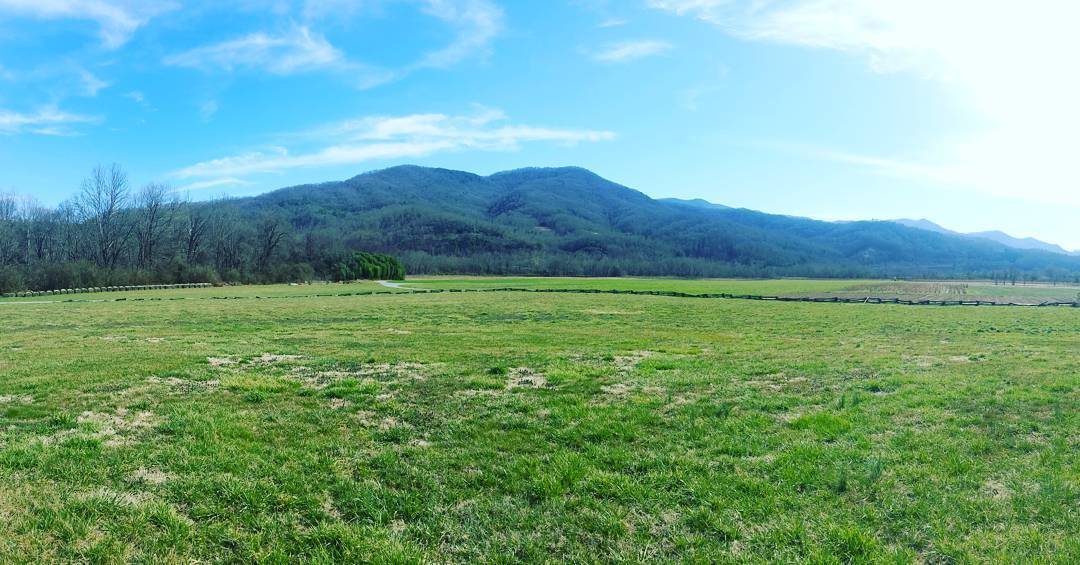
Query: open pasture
(907, 290)
(530, 427)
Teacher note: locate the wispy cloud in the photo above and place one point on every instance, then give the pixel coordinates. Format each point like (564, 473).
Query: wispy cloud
(299, 50)
(139, 98)
(626, 51)
(390, 137)
(279, 159)
(612, 22)
(691, 97)
(892, 35)
(207, 110)
(117, 20)
(891, 166)
(46, 121)
(474, 24)
(56, 80)
(91, 84)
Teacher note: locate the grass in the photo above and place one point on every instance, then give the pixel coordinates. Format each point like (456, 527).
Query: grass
(938, 290)
(533, 427)
(734, 286)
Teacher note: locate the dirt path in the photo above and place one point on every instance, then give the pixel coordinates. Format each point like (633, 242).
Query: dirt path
(390, 284)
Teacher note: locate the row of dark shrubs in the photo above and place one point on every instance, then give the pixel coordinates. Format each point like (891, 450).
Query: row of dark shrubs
(868, 300)
(33, 293)
(831, 299)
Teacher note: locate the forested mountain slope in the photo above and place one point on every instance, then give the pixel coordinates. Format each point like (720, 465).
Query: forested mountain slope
(561, 221)
(571, 221)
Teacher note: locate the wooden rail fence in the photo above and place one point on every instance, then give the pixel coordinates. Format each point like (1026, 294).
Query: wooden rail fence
(724, 295)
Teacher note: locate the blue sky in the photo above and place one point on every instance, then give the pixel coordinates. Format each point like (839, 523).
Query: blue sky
(964, 113)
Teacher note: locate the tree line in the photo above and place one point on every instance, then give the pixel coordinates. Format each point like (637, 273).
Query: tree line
(111, 233)
(445, 222)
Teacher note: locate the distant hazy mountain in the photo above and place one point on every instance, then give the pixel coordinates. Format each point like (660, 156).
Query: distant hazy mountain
(1003, 238)
(926, 225)
(1019, 243)
(696, 203)
(572, 221)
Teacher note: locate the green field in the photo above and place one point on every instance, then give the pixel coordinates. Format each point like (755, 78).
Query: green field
(778, 286)
(913, 290)
(536, 427)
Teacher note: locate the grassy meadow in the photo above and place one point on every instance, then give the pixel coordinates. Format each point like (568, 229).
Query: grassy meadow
(948, 290)
(507, 427)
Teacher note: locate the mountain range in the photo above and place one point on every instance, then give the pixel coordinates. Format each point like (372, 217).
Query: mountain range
(570, 221)
(995, 236)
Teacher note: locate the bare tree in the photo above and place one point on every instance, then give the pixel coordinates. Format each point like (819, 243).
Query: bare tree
(43, 227)
(229, 240)
(271, 232)
(33, 219)
(104, 198)
(71, 241)
(195, 227)
(155, 211)
(9, 245)
(8, 207)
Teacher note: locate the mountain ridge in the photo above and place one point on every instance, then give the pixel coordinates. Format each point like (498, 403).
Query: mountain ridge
(569, 220)
(997, 236)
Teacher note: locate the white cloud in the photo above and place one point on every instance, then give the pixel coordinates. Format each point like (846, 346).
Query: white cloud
(390, 137)
(476, 22)
(56, 80)
(299, 50)
(91, 84)
(1009, 64)
(934, 172)
(691, 97)
(279, 159)
(46, 121)
(117, 20)
(630, 50)
(207, 110)
(612, 22)
(214, 183)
